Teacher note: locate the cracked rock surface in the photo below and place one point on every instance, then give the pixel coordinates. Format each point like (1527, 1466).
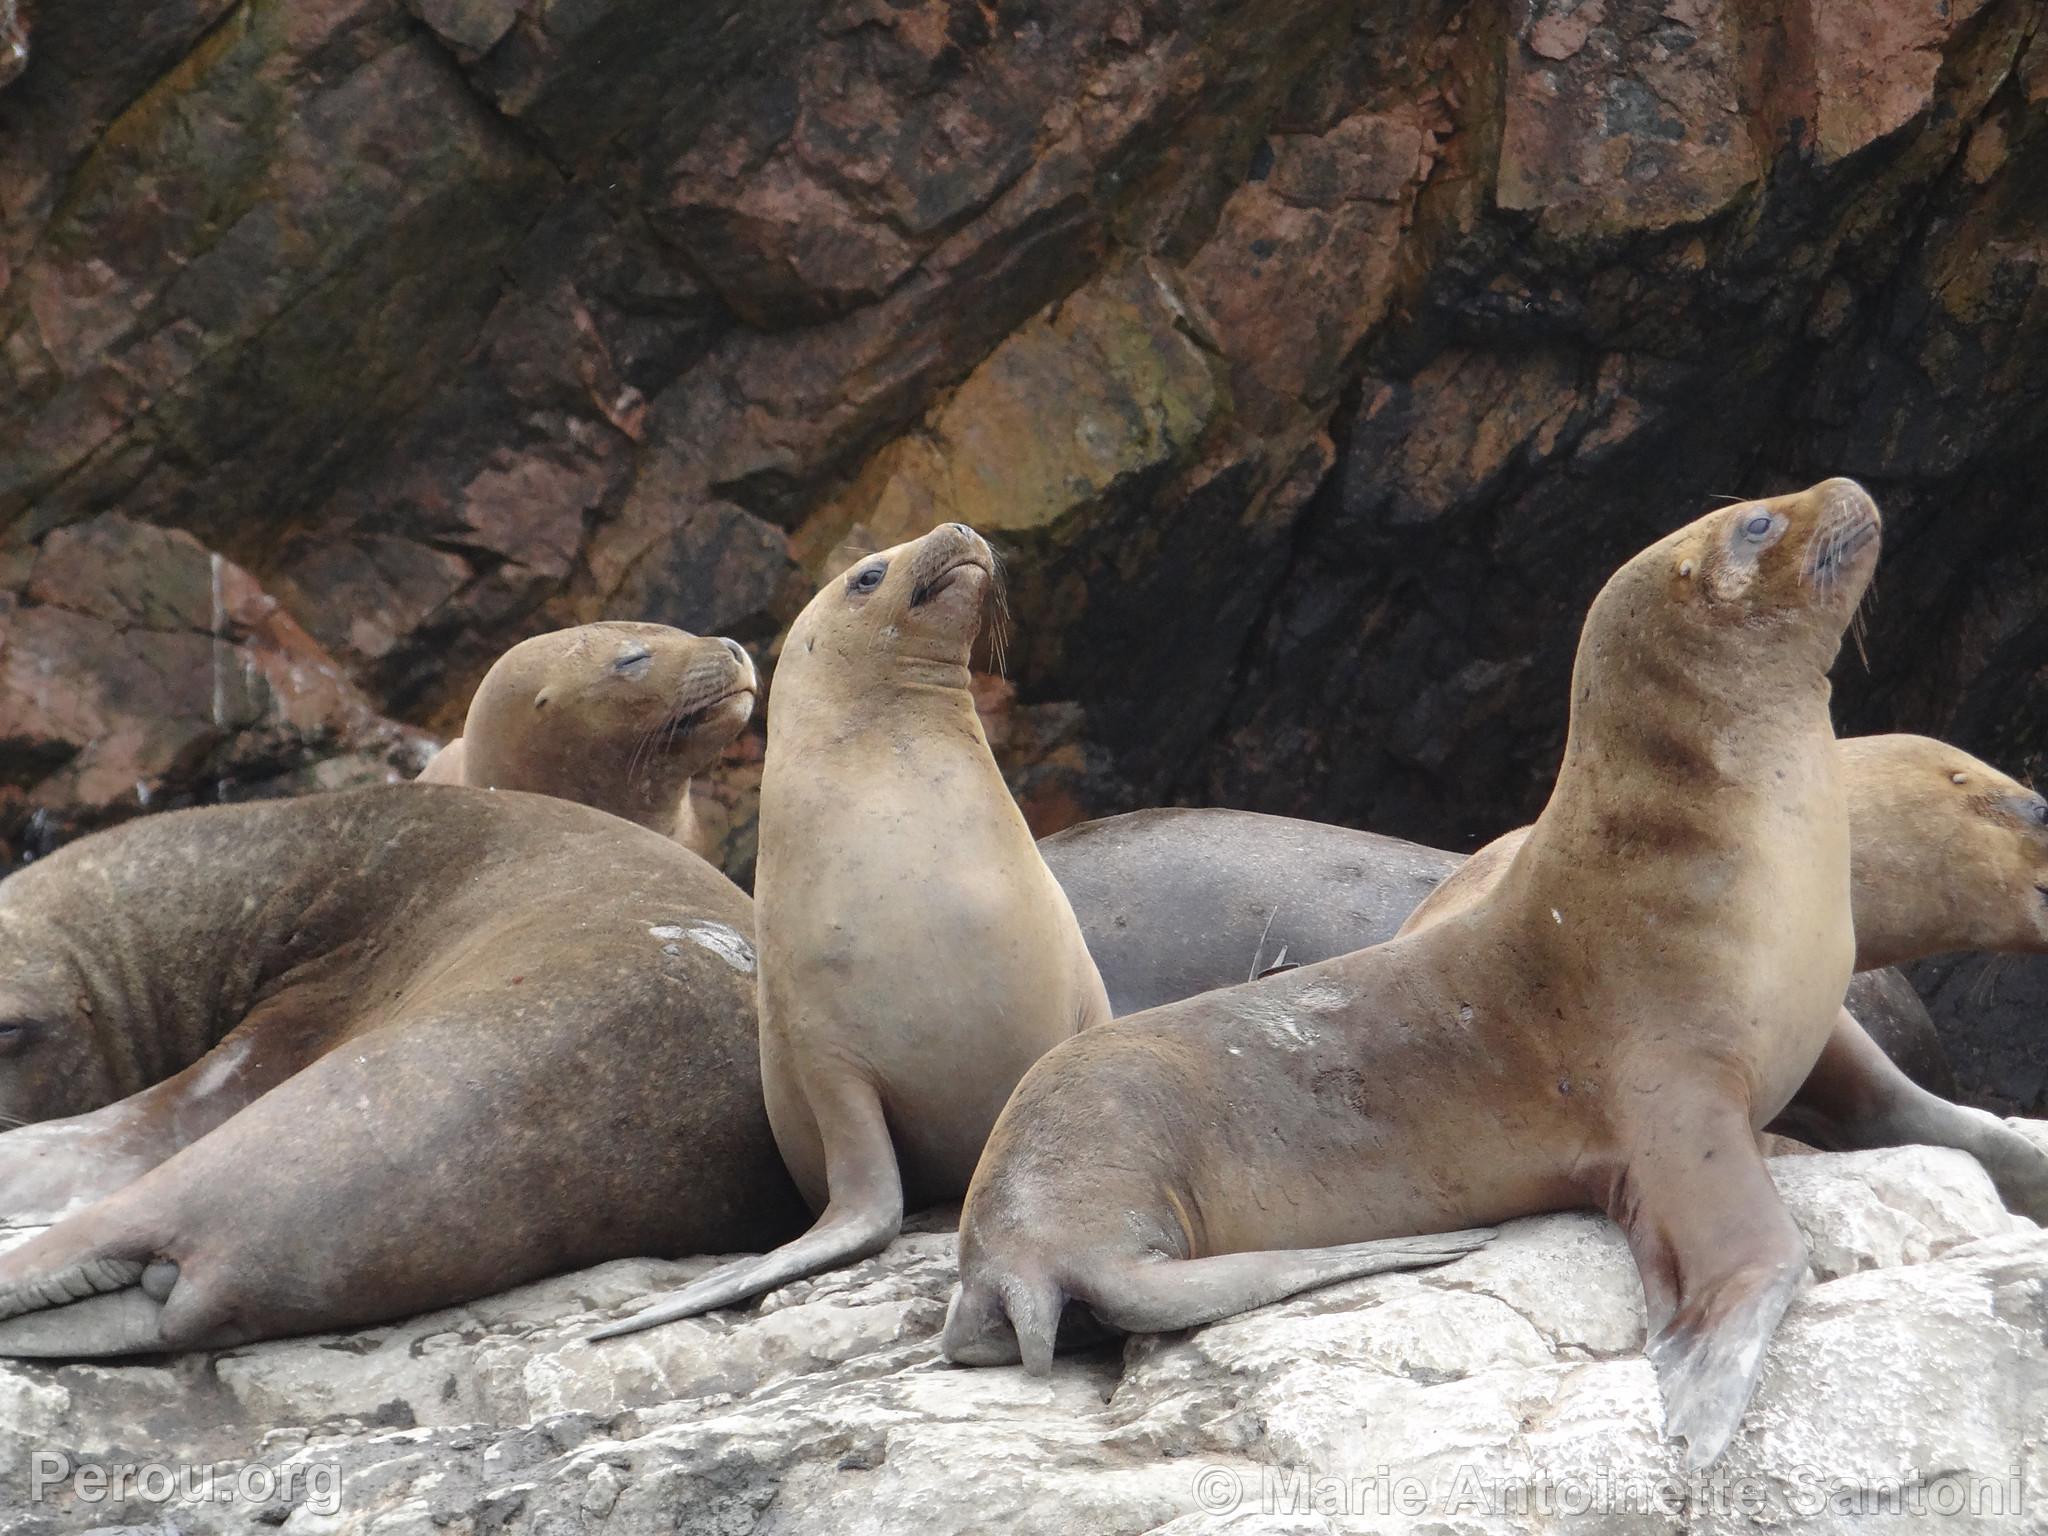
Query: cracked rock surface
(1917, 1359)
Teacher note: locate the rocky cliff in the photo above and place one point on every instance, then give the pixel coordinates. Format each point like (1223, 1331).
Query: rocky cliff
(1310, 363)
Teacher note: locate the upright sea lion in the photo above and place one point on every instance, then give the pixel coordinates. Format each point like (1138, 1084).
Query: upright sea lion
(463, 1041)
(916, 955)
(1946, 853)
(1645, 989)
(619, 716)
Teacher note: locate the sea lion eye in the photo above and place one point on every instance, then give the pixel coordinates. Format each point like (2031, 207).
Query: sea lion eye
(15, 1034)
(868, 577)
(633, 662)
(1758, 527)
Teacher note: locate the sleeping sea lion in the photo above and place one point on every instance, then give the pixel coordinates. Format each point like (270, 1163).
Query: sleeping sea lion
(619, 716)
(374, 1052)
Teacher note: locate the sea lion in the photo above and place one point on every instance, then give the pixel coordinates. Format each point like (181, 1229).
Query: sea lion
(464, 1041)
(916, 955)
(1177, 901)
(1946, 854)
(619, 716)
(1643, 991)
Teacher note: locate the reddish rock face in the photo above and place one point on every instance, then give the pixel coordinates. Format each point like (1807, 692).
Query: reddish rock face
(138, 670)
(1309, 364)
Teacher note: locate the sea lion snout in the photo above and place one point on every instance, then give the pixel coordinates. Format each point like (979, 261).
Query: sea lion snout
(1841, 552)
(952, 557)
(718, 680)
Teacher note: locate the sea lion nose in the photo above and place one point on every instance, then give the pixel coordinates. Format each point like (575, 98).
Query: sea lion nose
(739, 652)
(961, 530)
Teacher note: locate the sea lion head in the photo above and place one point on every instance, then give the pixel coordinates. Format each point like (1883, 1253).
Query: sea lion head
(1743, 606)
(655, 703)
(1798, 561)
(920, 603)
(1949, 853)
(50, 1057)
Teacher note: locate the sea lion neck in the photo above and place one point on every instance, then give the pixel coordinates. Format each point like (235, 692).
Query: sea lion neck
(830, 698)
(148, 1019)
(235, 911)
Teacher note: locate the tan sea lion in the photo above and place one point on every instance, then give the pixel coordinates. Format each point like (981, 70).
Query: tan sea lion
(916, 955)
(1946, 854)
(619, 716)
(463, 1041)
(1646, 987)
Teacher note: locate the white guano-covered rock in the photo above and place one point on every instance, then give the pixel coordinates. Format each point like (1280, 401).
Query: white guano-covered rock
(1906, 1391)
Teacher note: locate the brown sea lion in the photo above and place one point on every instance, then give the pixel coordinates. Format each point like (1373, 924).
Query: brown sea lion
(1946, 854)
(463, 1041)
(619, 716)
(1646, 988)
(916, 955)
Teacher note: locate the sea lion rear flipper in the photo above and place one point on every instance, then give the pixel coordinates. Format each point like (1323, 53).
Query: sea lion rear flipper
(125, 1322)
(1160, 1295)
(1856, 1099)
(863, 1212)
(72, 1293)
(1720, 1261)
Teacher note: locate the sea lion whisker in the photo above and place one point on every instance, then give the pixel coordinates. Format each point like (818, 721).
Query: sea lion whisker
(1259, 949)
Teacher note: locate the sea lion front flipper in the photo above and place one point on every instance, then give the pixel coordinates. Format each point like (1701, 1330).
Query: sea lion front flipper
(863, 1212)
(1856, 1099)
(1720, 1260)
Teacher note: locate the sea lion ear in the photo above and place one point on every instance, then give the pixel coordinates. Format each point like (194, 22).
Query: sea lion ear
(540, 700)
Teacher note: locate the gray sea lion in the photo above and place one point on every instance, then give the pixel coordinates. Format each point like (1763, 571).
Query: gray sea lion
(463, 1041)
(916, 955)
(619, 716)
(1643, 991)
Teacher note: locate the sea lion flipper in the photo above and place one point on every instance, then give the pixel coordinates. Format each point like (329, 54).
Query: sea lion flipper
(1720, 1260)
(1158, 1296)
(1856, 1099)
(72, 1292)
(124, 1322)
(863, 1213)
